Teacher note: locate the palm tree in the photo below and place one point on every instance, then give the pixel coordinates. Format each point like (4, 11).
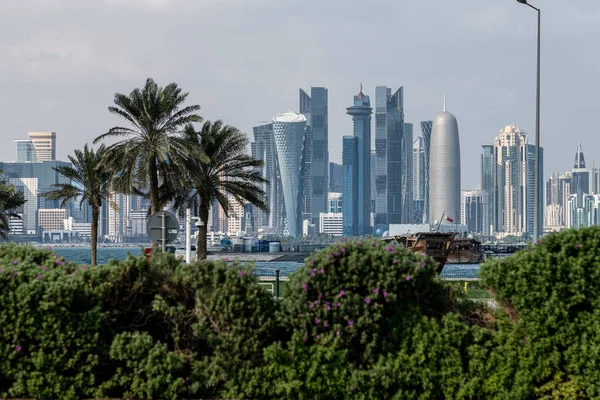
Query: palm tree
(154, 115)
(10, 199)
(90, 180)
(216, 166)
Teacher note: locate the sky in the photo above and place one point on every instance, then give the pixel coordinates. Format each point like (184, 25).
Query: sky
(243, 61)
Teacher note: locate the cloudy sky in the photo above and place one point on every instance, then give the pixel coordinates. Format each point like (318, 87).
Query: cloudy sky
(244, 60)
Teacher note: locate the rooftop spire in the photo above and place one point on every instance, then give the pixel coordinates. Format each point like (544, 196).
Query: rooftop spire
(444, 101)
(360, 93)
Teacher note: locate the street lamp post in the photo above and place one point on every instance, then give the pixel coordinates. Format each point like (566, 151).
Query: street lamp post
(536, 186)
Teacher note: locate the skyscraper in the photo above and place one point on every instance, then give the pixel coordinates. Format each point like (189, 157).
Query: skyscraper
(264, 148)
(356, 155)
(580, 175)
(316, 163)
(513, 182)
(45, 145)
(426, 134)
(289, 128)
(473, 210)
(487, 185)
(393, 147)
(444, 169)
(25, 151)
(336, 178)
(418, 180)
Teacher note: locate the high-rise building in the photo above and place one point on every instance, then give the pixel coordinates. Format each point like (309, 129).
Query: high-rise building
(487, 185)
(25, 151)
(51, 219)
(418, 180)
(350, 193)
(336, 178)
(289, 128)
(473, 210)
(393, 147)
(44, 144)
(29, 187)
(264, 148)
(580, 175)
(444, 169)
(316, 154)
(356, 155)
(426, 135)
(513, 177)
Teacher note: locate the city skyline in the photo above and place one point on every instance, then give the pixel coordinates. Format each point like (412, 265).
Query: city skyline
(66, 70)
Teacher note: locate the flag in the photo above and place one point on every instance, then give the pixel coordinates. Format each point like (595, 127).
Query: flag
(449, 219)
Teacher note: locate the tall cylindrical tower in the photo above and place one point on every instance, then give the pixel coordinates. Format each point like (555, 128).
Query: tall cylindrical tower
(289, 128)
(444, 169)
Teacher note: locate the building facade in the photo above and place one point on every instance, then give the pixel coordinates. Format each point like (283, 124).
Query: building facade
(316, 155)
(513, 183)
(289, 129)
(44, 144)
(25, 151)
(393, 148)
(444, 169)
(426, 137)
(356, 161)
(474, 213)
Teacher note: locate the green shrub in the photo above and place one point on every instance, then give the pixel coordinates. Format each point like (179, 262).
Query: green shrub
(550, 294)
(360, 312)
(132, 328)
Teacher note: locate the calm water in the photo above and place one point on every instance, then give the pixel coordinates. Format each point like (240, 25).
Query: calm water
(82, 255)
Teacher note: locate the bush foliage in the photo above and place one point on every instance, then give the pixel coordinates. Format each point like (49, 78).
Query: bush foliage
(361, 319)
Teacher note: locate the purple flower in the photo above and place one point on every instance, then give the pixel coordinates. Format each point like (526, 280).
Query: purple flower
(322, 271)
(318, 336)
(317, 320)
(422, 264)
(367, 300)
(15, 262)
(335, 254)
(325, 324)
(226, 259)
(338, 333)
(342, 293)
(351, 387)
(328, 256)
(350, 322)
(312, 262)
(251, 272)
(242, 273)
(83, 267)
(343, 250)
(395, 262)
(305, 287)
(320, 295)
(45, 268)
(408, 277)
(70, 275)
(385, 294)
(337, 304)
(389, 249)
(299, 315)
(373, 244)
(578, 245)
(327, 306)
(376, 291)
(15, 273)
(1, 270)
(539, 241)
(313, 272)
(359, 243)
(39, 276)
(17, 348)
(58, 262)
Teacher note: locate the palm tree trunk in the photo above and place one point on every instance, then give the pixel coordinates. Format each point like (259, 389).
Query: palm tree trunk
(202, 229)
(94, 233)
(153, 187)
